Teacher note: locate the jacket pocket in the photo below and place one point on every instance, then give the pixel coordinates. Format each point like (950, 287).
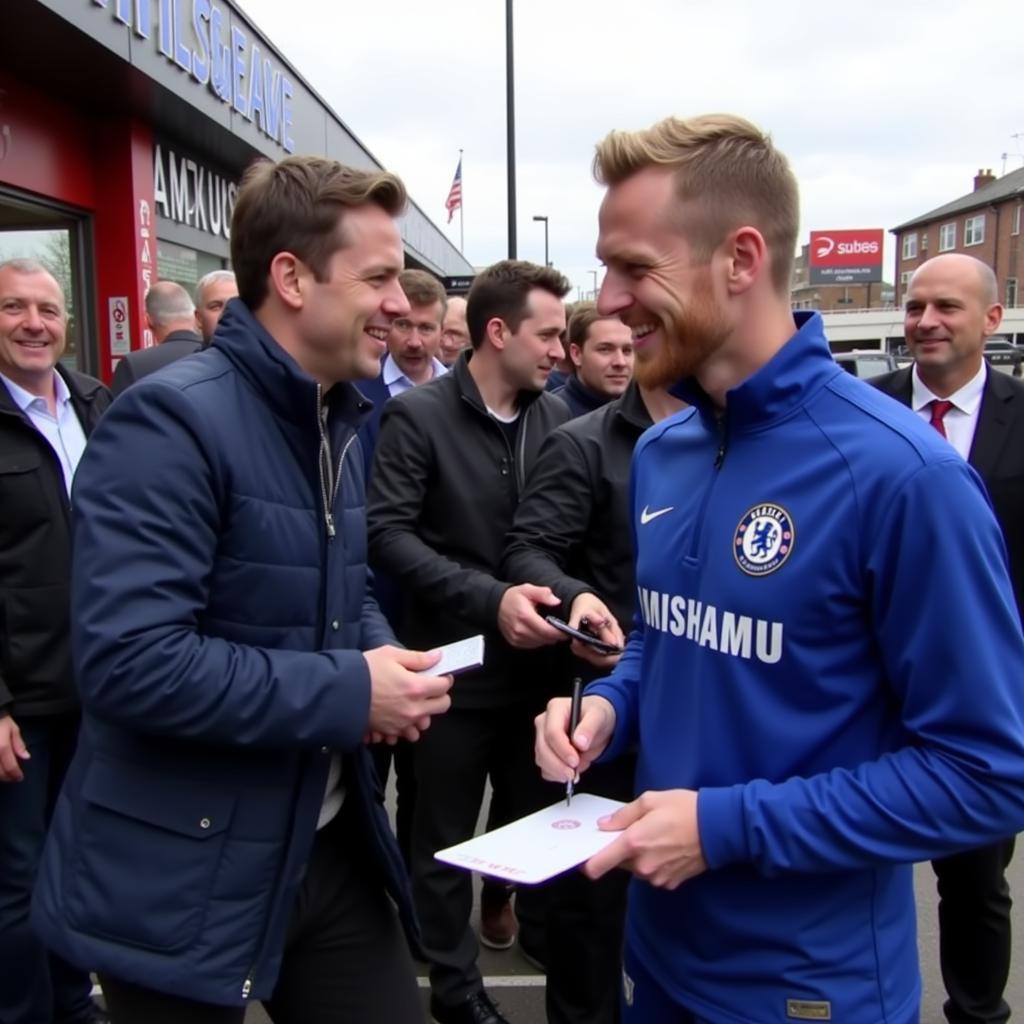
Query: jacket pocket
(147, 851)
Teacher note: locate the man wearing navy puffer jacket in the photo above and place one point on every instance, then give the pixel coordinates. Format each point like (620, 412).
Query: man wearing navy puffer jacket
(220, 837)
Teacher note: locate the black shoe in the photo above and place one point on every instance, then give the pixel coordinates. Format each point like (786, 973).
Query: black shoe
(476, 1008)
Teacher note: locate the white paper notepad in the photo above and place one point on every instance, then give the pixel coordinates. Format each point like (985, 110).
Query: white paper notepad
(539, 846)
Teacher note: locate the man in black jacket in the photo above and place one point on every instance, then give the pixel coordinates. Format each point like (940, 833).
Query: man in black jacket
(451, 460)
(952, 309)
(601, 350)
(572, 533)
(172, 319)
(46, 413)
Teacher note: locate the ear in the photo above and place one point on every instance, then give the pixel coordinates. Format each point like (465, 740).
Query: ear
(494, 332)
(576, 355)
(287, 279)
(993, 318)
(746, 259)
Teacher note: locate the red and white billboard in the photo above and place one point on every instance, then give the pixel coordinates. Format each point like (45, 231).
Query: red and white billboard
(846, 257)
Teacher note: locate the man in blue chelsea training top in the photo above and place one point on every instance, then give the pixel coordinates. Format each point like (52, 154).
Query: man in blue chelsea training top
(822, 685)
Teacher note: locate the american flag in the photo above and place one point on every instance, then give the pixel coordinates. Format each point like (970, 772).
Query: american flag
(454, 200)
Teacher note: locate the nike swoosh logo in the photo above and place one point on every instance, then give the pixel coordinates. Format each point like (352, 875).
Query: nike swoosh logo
(646, 517)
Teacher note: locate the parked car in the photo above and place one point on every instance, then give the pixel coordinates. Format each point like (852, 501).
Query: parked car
(1004, 355)
(866, 364)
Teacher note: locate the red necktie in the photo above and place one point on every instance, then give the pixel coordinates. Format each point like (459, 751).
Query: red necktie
(939, 409)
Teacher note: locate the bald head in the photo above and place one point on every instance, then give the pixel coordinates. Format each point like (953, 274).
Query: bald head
(959, 266)
(169, 308)
(951, 311)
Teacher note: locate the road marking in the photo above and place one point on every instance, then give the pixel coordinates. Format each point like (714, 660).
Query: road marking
(503, 981)
(490, 981)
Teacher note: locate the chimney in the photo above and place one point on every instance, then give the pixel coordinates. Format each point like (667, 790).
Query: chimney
(983, 178)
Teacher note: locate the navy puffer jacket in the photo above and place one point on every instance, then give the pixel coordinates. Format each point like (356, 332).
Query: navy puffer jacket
(217, 630)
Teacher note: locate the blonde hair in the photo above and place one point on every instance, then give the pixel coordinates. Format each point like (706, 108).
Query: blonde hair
(727, 171)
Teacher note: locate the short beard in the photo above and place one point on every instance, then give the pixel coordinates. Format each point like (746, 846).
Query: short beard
(687, 343)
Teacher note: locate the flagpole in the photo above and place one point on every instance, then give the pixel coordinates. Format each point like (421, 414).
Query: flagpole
(462, 203)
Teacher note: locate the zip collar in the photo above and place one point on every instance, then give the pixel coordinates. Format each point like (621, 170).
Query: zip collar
(785, 383)
(629, 406)
(289, 391)
(471, 393)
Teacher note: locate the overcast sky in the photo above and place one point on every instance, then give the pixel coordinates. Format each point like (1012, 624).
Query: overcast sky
(886, 110)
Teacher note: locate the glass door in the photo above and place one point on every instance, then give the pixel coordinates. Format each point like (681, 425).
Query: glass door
(56, 238)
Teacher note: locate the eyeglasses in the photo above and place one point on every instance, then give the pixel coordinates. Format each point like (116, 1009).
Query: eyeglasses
(426, 329)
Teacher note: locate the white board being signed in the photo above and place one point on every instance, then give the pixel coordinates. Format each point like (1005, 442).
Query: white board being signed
(539, 846)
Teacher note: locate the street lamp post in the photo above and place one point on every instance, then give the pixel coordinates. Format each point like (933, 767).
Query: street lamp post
(593, 274)
(547, 262)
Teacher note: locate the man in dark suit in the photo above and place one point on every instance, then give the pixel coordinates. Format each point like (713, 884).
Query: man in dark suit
(951, 310)
(171, 316)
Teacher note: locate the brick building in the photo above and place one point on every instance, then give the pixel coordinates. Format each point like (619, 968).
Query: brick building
(835, 298)
(985, 223)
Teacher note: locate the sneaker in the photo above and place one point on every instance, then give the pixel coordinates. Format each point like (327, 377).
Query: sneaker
(476, 1008)
(498, 924)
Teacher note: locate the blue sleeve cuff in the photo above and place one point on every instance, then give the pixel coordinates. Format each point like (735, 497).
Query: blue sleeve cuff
(721, 822)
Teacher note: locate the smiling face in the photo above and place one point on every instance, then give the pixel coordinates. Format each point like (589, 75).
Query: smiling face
(950, 312)
(654, 283)
(604, 362)
(529, 353)
(346, 318)
(33, 326)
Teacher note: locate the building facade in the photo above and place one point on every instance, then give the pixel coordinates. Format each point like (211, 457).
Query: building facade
(125, 127)
(985, 223)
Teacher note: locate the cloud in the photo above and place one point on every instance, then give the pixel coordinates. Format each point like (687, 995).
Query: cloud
(885, 110)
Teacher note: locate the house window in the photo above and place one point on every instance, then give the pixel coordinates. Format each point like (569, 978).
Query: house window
(904, 283)
(974, 230)
(910, 246)
(947, 237)
(1016, 221)
(1011, 292)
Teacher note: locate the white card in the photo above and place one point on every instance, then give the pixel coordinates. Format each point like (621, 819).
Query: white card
(541, 845)
(458, 657)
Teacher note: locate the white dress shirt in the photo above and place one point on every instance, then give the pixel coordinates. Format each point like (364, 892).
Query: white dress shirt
(962, 420)
(396, 382)
(64, 432)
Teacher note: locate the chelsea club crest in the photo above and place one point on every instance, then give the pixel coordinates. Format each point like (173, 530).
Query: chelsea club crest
(763, 540)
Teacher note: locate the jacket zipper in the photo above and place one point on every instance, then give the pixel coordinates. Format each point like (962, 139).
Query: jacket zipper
(328, 494)
(521, 461)
(330, 481)
(698, 532)
(323, 462)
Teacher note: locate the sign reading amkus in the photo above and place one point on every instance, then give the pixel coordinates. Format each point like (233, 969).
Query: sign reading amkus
(846, 257)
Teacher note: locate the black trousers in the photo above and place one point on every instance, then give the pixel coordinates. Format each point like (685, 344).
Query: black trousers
(346, 960)
(974, 933)
(453, 760)
(585, 922)
(384, 755)
(36, 986)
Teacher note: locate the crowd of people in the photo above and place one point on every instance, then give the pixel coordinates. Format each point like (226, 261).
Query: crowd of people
(222, 594)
